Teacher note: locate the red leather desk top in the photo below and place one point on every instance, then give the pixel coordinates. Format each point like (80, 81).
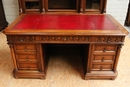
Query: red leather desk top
(65, 22)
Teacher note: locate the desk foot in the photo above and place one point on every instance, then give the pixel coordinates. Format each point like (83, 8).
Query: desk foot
(101, 75)
(29, 74)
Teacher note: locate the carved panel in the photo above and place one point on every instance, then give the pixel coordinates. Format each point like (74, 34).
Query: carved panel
(85, 39)
(65, 38)
(115, 39)
(100, 39)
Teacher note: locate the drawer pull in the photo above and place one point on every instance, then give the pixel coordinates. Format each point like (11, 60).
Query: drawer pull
(103, 59)
(27, 59)
(25, 49)
(28, 67)
(101, 68)
(104, 50)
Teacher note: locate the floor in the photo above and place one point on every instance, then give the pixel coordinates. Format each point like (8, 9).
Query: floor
(62, 71)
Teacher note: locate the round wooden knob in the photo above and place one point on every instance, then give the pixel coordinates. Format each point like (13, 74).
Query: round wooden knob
(27, 59)
(25, 49)
(104, 50)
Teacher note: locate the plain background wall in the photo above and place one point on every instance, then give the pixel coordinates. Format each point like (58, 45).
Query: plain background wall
(11, 9)
(117, 8)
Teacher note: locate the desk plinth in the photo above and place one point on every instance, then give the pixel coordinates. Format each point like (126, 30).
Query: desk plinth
(28, 35)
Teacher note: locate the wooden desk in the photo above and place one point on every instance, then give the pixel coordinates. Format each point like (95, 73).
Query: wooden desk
(101, 35)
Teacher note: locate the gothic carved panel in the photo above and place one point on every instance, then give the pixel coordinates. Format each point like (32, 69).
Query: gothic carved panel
(73, 39)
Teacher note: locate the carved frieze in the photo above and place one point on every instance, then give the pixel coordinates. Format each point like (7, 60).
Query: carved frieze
(85, 39)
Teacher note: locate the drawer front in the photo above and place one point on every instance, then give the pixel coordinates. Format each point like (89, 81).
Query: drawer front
(103, 58)
(24, 57)
(102, 67)
(105, 48)
(27, 66)
(25, 47)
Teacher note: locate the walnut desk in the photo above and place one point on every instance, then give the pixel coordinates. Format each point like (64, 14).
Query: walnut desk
(28, 35)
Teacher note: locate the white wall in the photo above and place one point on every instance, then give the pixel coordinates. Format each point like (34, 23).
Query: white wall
(117, 8)
(11, 9)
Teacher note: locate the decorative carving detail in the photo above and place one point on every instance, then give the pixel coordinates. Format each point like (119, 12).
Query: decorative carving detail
(115, 39)
(28, 38)
(80, 39)
(64, 38)
(100, 39)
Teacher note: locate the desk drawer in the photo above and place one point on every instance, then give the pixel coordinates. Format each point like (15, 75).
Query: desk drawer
(25, 47)
(105, 48)
(102, 67)
(27, 66)
(103, 58)
(25, 57)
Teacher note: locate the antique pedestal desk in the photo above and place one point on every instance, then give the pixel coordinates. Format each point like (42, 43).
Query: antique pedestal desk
(101, 35)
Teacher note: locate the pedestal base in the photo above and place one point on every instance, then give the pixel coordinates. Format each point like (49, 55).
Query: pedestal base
(101, 75)
(29, 74)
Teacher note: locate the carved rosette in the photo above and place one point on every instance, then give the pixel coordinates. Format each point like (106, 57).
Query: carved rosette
(72, 39)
